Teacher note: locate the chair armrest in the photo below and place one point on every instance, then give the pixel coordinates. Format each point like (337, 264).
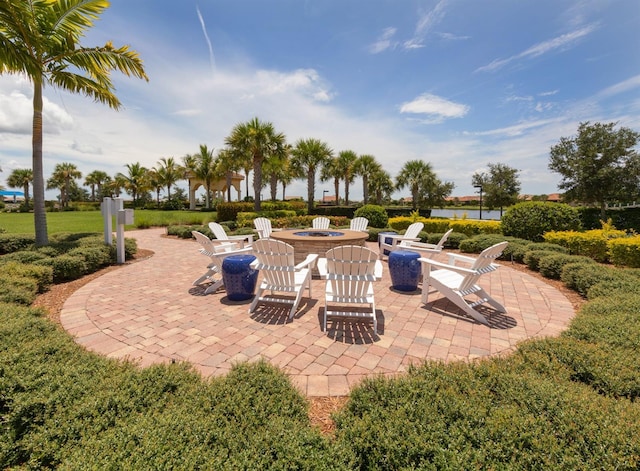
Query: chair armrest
(453, 257)
(446, 266)
(221, 247)
(420, 245)
(309, 261)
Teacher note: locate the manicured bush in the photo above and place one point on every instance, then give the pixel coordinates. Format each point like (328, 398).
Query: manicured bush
(229, 211)
(23, 256)
(471, 227)
(625, 251)
(530, 220)
(487, 415)
(439, 225)
(582, 275)
(619, 286)
(65, 267)
(17, 289)
(42, 275)
(376, 215)
(592, 243)
(15, 242)
(452, 242)
(95, 257)
(532, 258)
(551, 265)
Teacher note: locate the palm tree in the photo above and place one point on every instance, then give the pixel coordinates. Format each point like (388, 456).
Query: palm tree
(366, 166)
(21, 178)
(228, 164)
(259, 140)
(169, 173)
(308, 156)
(380, 185)
(41, 40)
(61, 178)
(346, 163)
(275, 169)
(203, 165)
(332, 170)
(156, 183)
(426, 188)
(136, 181)
(96, 179)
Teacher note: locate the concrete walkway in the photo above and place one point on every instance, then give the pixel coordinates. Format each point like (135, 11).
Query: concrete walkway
(149, 312)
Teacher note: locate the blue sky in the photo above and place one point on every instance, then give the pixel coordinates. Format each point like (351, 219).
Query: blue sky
(457, 83)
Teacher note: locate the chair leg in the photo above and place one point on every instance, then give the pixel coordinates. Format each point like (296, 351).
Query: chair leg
(214, 287)
(256, 299)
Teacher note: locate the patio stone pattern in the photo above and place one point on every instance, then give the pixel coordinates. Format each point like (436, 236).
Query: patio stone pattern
(150, 313)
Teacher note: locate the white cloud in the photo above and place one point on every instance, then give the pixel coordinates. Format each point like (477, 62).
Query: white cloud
(425, 24)
(621, 87)
(384, 42)
(558, 43)
(437, 108)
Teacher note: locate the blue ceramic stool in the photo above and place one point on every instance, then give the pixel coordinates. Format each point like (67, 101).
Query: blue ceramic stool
(238, 277)
(387, 240)
(405, 270)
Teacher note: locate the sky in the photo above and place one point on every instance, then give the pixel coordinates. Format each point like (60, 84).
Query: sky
(459, 84)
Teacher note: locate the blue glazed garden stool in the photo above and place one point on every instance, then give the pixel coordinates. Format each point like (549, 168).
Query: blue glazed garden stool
(405, 270)
(238, 277)
(386, 240)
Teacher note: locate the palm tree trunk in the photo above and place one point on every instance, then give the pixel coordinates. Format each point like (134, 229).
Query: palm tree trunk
(274, 187)
(257, 181)
(39, 211)
(365, 189)
(311, 187)
(336, 184)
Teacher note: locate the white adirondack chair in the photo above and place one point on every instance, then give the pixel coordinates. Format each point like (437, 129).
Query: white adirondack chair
(320, 222)
(359, 224)
(350, 273)
(411, 234)
(280, 274)
(221, 234)
(263, 226)
(216, 251)
(426, 250)
(456, 283)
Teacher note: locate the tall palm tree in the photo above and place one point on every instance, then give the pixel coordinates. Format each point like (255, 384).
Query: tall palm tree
(366, 166)
(62, 176)
(95, 180)
(276, 167)
(136, 181)
(204, 166)
(259, 140)
(41, 40)
(169, 173)
(21, 178)
(308, 156)
(426, 189)
(156, 183)
(228, 164)
(380, 185)
(346, 162)
(332, 170)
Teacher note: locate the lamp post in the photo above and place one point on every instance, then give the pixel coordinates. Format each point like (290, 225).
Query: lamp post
(479, 187)
(324, 192)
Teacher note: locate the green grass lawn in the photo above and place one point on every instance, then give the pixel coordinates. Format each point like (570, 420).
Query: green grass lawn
(91, 221)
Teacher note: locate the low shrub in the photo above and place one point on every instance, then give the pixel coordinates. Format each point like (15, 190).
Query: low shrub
(229, 211)
(625, 251)
(452, 242)
(66, 267)
(592, 243)
(376, 215)
(23, 256)
(17, 289)
(478, 243)
(95, 257)
(471, 227)
(433, 225)
(550, 266)
(42, 275)
(583, 275)
(15, 242)
(531, 220)
(619, 286)
(532, 258)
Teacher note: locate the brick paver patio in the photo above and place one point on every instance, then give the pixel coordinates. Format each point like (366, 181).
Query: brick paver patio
(149, 312)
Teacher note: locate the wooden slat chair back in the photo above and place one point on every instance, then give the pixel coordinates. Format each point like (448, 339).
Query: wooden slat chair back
(359, 224)
(350, 277)
(320, 222)
(263, 226)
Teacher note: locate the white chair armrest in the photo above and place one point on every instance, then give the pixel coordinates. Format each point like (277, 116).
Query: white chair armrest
(309, 261)
(419, 245)
(454, 257)
(446, 266)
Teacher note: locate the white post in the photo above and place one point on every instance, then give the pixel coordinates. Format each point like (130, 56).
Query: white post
(105, 209)
(117, 207)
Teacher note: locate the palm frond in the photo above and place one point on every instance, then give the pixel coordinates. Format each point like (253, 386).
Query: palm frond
(75, 83)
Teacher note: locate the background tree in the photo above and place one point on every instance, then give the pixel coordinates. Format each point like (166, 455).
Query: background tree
(136, 181)
(95, 180)
(381, 186)
(346, 163)
(228, 164)
(62, 176)
(331, 171)
(155, 183)
(169, 172)
(21, 178)
(500, 186)
(309, 155)
(41, 40)
(203, 165)
(275, 167)
(366, 166)
(599, 165)
(259, 140)
(427, 191)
